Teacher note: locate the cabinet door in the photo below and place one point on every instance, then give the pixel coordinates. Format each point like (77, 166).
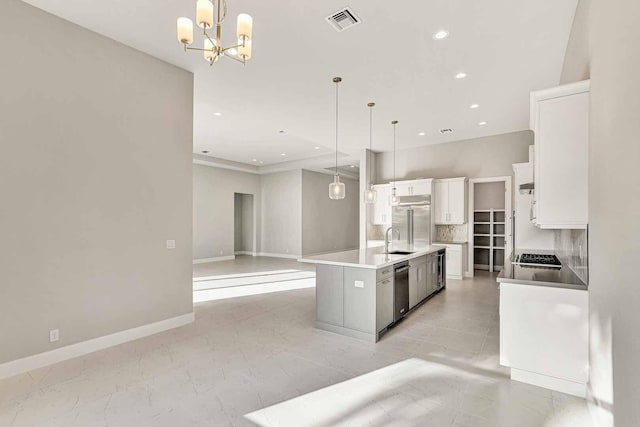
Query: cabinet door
(454, 263)
(420, 187)
(422, 281)
(457, 202)
(384, 303)
(441, 202)
(403, 189)
(561, 162)
(433, 275)
(413, 287)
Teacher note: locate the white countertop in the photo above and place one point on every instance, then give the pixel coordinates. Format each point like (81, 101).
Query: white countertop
(373, 258)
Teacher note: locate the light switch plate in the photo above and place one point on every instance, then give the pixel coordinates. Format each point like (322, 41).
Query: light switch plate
(171, 244)
(54, 335)
(359, 284)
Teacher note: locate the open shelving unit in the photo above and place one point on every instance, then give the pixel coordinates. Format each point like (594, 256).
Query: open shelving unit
(489, 239)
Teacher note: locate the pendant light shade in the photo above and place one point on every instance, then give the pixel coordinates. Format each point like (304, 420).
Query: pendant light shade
(370, 195)
(395, 200)
(337, 189)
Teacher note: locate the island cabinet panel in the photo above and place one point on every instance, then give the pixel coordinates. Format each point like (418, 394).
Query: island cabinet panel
(422, 280)
(384, 303)
(360, 299)
(413, 287)
(330, 294)
(432, 273)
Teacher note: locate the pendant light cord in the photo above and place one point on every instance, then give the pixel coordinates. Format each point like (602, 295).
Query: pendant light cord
(370, 141)
(337, 83)
(394, 156)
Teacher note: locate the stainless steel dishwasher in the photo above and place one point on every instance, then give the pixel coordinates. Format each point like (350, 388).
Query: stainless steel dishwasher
(400, 290)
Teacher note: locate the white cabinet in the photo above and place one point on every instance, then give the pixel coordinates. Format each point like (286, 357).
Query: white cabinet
(560, 121)
(456, 261)
(544, 336)
(422, 280)
(413, 188)
(418, 280)
(381, 212)
(384, 303)
(450, 201)
(413, 287)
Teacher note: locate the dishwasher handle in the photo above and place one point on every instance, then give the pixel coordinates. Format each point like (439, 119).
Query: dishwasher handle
(401, 269)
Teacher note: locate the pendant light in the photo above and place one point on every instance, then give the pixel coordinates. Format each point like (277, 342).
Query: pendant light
(336, 188)
(370, 195)
(395, 200)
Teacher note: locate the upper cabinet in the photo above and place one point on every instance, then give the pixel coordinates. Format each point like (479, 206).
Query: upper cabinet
(560, 121)
(381, 209)
(415, 187)
(450, 201)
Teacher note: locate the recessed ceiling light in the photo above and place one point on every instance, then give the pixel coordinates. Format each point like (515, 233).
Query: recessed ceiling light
(204, 151)
(352, 166)
(317, 148)
(255, 160)
(482, 123)
(442, 34)
(233, 51)
(421, 134)
(461, 75)
(282, 131)
(474, 106)
(217, 114)
(283, 154)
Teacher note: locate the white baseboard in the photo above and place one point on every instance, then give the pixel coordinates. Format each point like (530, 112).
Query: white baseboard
(61, 354)
(245, 253)
(601, 413)
(215, 259)
(552, 383)
(275, 255)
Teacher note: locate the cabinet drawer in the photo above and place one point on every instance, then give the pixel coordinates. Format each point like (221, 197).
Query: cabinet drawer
(384, 273)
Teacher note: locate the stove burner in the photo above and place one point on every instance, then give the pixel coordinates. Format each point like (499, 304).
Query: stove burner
(537, 259)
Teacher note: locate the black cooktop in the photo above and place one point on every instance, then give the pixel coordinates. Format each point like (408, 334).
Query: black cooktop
(538, 260)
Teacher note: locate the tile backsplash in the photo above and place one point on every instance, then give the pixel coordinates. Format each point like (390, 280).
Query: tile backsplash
(451, 233)
(572, 249)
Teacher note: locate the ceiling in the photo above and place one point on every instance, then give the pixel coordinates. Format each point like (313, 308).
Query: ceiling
(507, 48)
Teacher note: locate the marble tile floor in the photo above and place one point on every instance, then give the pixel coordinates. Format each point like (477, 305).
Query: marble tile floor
(258, 360)
(249, 264)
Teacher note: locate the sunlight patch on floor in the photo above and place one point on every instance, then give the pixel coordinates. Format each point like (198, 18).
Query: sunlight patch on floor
(237, 290)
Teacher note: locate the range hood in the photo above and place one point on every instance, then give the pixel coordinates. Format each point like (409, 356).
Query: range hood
(526, 188)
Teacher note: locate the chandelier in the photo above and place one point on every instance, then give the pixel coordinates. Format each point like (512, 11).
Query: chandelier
(212, 47)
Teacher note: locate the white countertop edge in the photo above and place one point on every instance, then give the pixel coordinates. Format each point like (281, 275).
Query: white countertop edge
(393, 259)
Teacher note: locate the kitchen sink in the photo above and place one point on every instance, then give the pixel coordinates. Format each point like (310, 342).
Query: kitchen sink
(400, 253)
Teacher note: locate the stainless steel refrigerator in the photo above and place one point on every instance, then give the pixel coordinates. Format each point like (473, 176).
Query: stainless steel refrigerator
(412, 220)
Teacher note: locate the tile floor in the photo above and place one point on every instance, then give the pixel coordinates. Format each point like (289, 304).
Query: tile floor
(258, 359)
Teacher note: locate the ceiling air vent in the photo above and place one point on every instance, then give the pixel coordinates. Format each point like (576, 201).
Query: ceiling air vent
(343, 19)
(447, 130)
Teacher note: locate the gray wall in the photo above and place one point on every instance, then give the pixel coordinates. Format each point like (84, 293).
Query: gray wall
(282, 213)
(95, 176)
(488, 195)
(213, 209)
(474, 158)
(328, 225)
(609, 32)
(248, 230)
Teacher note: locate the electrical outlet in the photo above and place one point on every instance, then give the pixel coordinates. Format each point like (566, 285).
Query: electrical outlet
(171, 244)
(54, 335)
(359, 284)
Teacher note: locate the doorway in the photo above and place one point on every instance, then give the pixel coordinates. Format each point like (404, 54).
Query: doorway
(490, 228)
(244, 225)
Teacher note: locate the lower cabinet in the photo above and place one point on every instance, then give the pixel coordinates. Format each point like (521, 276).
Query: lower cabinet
(417, 281)
(544, 336)
(384, 303)
(456, 260)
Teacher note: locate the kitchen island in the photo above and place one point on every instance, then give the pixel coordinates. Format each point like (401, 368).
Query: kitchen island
(356, 293)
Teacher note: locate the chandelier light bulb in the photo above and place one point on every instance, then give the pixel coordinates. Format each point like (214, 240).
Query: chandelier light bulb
(185, 30)
(395, 200)
(370, 195)
(204, 13)
(244, 52)
(209, 50)
(245, 26)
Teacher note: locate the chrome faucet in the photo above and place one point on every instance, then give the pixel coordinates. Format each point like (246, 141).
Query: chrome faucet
(386, 238)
